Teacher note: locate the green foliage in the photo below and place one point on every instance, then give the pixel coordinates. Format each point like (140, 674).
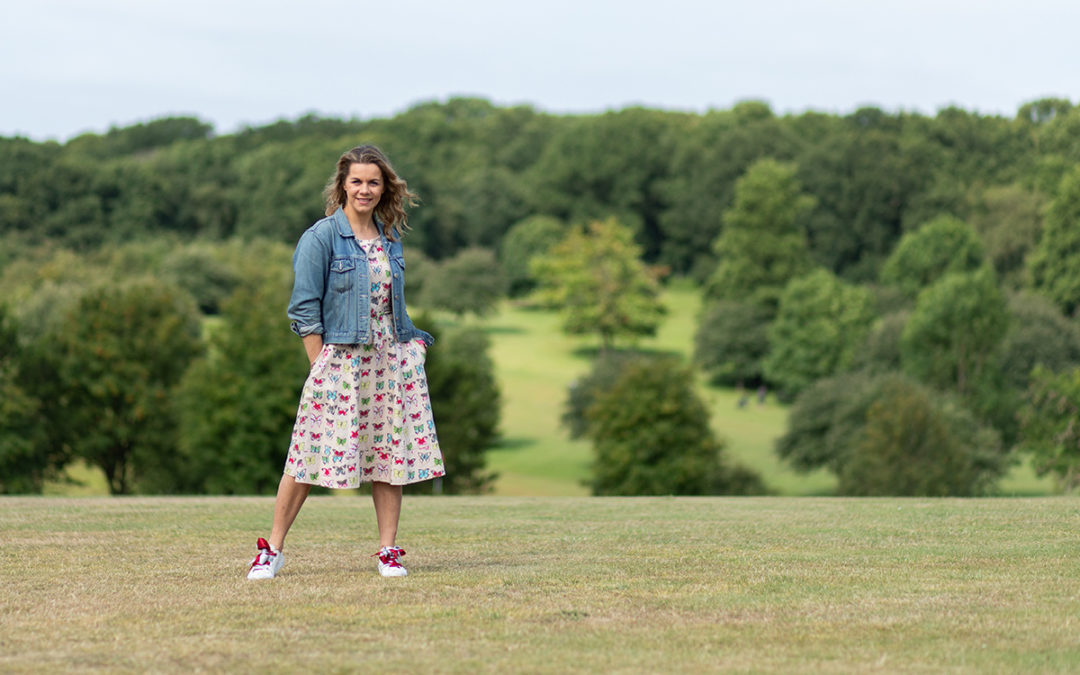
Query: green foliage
(820, 324)
(880, 350)
(826, 421)
(606, 371)
(26, 460)
(888, 435)
(117, 359)
(916, 444)
(953, 334)
(731, 342)
(651, 436)
(763, 244)
(465, 402)
(1049, 425)
(534, 236)
(1054, 265)
(237, 404)
(1008, 219)
(939, 247)
(596, 278)
(472, 281)
(1038, 335)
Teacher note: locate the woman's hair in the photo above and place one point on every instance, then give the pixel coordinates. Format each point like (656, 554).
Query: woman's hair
(391, 208)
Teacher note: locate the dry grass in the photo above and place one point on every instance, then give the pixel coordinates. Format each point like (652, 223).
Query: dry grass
(545, 585)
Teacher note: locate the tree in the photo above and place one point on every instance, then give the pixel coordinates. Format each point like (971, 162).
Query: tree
(596, 278)
(1008, 219)
(651, 436)
(1049, 425)
(953, 333)
(237, 404)
(820, 324)
(1038, 335)
(606, 371)
(1054, 265)
(524, 241)
(762, 245)
(472, 281)
(732, 341)
(945, 244)
(26, 458)
(826, 420)
(917, 444)
(117, 358)
(465, 401)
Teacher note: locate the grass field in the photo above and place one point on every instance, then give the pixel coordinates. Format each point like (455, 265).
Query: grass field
(545, 585)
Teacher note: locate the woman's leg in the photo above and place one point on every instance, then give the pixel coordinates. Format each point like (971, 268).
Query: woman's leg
(290, 497)
(387, 500)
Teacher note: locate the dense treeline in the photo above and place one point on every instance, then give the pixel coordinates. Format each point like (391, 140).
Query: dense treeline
(480, 169)
(842, 258)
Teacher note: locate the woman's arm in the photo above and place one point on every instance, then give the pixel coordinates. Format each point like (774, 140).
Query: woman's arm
(313, 345)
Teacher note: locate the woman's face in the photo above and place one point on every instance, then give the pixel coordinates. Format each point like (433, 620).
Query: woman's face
(363, 189)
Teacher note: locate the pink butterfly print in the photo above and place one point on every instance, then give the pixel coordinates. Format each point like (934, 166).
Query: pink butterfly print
(384, 455)
(415, 416)
(421, 441)
(343, 398)
(363, 427)
(355, 434)
(380, 397)
(318, 380)
(365, 373)
(326, 472)
(379, 373)
(363, 412)
(409, 386)
(317, 406)
(315, 436)
(377, 426)
(368, 470)
(399, 460)
(365, 359)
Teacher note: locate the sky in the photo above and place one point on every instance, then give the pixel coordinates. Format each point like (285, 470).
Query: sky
(74, 66)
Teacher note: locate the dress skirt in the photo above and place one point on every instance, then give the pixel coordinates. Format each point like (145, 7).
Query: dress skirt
(365, 413)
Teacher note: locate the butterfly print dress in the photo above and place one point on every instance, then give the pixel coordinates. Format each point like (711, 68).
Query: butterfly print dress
(365, 413)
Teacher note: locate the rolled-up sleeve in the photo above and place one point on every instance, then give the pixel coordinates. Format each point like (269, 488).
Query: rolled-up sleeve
(310, 262)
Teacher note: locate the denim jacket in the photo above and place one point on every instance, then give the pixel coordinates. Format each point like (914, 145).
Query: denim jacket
(331, 291)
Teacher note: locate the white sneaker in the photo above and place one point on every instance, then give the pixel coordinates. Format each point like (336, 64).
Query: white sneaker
(266, 563)
(389, 561)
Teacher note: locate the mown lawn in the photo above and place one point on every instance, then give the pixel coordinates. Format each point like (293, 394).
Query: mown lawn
(545, 585)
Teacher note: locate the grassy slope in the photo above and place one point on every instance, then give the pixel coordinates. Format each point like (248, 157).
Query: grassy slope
(545, 585)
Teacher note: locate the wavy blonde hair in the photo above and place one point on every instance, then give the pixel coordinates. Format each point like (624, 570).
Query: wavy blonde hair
(391, 208)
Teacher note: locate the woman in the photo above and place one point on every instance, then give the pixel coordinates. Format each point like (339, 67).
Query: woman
(365, 414)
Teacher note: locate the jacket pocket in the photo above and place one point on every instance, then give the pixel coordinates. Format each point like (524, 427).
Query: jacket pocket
(341, 274)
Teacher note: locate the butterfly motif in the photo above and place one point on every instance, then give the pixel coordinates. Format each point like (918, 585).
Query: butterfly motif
(424, 473)
(418, 429)
(318, 381)
(365, 372)
(377, 426)
(411, 461)
(343, 398)
(425, 456)
(315, 436)
(368, 470)
(414, 416)
(380, 384)
(410, 386)
(355, 434)
(326, 472)
(378, 410)
(421, 441)
(365, 359)
(379, 372)
(363, 412)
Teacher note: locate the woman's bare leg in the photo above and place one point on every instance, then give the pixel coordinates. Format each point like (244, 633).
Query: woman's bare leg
(290, 497)
(387, 500)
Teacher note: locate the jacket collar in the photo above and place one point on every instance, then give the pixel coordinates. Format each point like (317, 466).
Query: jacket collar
(345, 230)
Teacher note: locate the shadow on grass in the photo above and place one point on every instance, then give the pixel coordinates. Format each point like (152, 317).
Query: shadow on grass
(513, 444)
(593, 351)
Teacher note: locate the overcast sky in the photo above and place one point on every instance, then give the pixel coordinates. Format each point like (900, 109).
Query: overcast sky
(69, 66)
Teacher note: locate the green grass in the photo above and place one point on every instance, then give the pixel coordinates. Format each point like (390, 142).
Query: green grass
(545, 585)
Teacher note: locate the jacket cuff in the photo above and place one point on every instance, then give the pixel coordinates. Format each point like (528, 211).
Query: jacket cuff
(304, 331)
